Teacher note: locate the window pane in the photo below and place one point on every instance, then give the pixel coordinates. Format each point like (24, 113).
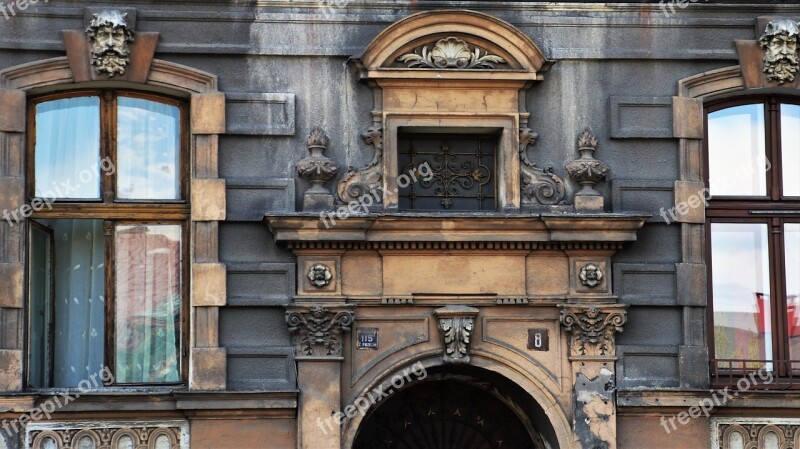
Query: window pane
(740, 278)
(736, 151)
(148, 303)
(67, 338)
(68, 148)
(148, 150)
(790, 143)
(41, 306)
(791, 238)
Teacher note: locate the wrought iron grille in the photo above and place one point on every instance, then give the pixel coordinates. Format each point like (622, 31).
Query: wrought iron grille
(461, 174)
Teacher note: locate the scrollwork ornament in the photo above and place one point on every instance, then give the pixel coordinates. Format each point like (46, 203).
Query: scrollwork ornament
(320, 275)
(368, 180)
(539, 185)
(592, 328)
(318, 330)
(591, 275)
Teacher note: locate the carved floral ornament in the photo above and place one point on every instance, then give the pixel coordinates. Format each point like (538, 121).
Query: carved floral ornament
(367, 180)
(109, 36)
(591, 275)
(451, 53)
(456, 324)
(592, 328)
(318, 330)
(320, 275)
(780, 43)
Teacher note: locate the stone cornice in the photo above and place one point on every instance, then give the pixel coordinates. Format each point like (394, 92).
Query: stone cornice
(432, 229)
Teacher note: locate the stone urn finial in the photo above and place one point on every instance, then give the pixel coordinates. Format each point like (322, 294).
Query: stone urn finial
(587, 171)
(317, 169)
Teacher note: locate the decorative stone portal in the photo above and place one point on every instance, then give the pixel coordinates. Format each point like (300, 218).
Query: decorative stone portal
(454, 409)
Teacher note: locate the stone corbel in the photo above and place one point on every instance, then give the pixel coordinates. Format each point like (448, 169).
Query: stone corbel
(456, 324)
(592, 329)
(318, 330)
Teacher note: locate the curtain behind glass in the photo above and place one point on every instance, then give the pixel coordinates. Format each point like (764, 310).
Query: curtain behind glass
(737, 158)
(68, 148)
(148, 303)
(148, 150)
(79, 300)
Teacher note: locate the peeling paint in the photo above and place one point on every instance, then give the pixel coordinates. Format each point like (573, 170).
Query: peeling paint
(594, 408)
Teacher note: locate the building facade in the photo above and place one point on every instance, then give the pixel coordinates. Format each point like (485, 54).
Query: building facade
(386, 224)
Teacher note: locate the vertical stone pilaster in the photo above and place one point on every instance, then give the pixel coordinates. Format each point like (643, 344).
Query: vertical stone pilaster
(591, 330)
(318, 331)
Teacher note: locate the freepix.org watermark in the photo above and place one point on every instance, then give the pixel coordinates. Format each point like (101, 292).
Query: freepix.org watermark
(10, 10)
(48, 407)
(328, 218)
(62, 189)
(363, 403)
(718, 398)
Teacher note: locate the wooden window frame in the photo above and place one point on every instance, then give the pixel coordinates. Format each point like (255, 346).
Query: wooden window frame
(114, 212)
(774, 209)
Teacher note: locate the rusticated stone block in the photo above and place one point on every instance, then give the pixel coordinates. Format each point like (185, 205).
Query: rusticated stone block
(208, 113)
(208, 284)
(208, 369)
(208, 200)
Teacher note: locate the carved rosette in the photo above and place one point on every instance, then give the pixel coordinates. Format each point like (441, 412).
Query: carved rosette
(109, 36)
(590, 275)
(451, 53)
(318, 330)
(320, 275)
(357, 183)
(539, 186)
(456, 324)
(779, 42)
(592, 328)
(586, 170)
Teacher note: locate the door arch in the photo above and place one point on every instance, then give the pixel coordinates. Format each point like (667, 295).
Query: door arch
(457, 407)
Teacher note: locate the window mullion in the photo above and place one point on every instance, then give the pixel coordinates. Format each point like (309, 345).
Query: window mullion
(110, 331)
(774, 175)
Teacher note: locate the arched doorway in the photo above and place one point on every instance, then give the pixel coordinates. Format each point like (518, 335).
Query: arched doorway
(456, 409)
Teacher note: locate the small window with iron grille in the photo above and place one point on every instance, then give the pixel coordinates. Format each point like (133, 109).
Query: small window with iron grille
(462, 167)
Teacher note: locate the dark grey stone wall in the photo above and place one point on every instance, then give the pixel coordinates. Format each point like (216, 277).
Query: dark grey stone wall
(617, 67)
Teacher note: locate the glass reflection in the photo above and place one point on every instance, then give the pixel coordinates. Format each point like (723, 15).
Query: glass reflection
(740, 278)
(791, 238)
(790, 148)
(148, 303)
(67, 150)
(148, 150)
(737, 163)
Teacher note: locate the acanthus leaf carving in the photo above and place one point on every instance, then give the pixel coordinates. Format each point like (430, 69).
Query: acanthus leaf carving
(451, 53)
(539, 185)
(592, 328)
(368, 180)
(318, 330)
(456, 324)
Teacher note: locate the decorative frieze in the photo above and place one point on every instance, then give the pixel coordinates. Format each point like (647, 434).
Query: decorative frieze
(540, 186)
(592, 328)
(108, 435)
(367, 180)
(318, 330)
(109, 35)
(317, 169)
(752, 433)
(779, 42)
(451, 53)
(456, 324)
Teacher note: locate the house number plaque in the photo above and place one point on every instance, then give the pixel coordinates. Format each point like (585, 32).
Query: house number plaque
(367, 338)
(538, 340)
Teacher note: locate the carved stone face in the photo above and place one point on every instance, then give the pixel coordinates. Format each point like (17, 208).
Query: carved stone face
(109, 35)
(779, 42)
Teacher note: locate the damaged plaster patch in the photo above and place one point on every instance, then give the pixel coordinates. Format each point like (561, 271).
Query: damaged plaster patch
(594, 404)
